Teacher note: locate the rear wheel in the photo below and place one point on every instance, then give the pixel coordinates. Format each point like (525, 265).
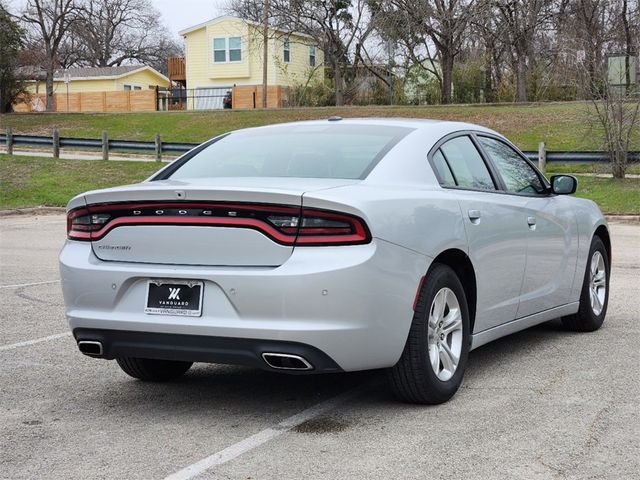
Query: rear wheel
(432, 364)
(595, 291)
(153, 370)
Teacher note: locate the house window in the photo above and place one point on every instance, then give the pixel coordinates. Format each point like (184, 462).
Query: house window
(312, 55)
(287, 50)
(219, 50)
(128, 88)
(235, 49)
(227, 49)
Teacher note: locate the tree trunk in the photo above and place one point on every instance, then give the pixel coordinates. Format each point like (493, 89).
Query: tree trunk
(618, 165)
(447, 77)
(489, 93)
(521, 79)
(628, 45)
(49, 86)
(339, 84)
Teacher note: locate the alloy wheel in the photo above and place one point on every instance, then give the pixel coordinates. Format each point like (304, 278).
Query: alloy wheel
(597, 282)
(445, 334)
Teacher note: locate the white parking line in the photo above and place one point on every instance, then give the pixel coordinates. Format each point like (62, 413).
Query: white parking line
(18, 285)
(11, 346)
(263, 436)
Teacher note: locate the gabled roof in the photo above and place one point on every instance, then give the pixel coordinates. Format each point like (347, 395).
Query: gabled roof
(103, 73)
(224, 18)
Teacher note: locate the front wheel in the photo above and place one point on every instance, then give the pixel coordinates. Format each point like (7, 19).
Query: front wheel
(432, 364)
(153, 370)
(595, 291)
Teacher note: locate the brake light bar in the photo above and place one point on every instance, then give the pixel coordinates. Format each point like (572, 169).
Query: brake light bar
(286, 225)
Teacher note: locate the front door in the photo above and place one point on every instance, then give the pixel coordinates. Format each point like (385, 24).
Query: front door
(551, 240)
(552, 251)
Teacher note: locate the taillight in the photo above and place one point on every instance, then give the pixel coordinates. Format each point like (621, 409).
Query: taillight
(283, 224)
(319, 227)
(80, 223)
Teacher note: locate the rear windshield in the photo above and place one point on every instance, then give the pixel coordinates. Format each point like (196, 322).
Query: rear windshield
(309, 151)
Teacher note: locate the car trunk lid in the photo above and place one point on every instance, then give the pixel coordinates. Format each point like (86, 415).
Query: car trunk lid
(234, 223)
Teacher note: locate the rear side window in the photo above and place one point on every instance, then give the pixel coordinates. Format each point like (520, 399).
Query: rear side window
(311, 151)
(443, 170)
(466, 167)
(517, 174)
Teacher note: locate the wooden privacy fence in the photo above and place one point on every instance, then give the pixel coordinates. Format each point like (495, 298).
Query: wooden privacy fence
(94, 102)
(250, 96)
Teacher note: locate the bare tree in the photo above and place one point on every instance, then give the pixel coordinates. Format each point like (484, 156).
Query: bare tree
(340, 28)
(517, 23)
(483, 26)
(11, 42)
(589, 26)
(112, 32)
(614, 111)
(51, 21)
(443, 23)
(629, 50)
(618, 114)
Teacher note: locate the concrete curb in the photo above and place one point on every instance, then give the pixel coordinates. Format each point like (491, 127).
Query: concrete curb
(629, 219)
(32, 211)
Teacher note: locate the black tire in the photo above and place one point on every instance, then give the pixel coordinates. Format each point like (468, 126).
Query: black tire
(153, 370)
(413, 379)
(586, 320)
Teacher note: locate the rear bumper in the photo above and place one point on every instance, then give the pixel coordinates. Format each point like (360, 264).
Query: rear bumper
(199, 348)
(352, 304)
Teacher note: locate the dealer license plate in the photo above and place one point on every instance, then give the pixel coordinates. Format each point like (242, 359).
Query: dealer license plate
(174, 297)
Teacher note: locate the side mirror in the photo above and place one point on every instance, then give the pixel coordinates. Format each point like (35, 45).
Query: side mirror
(563, 184)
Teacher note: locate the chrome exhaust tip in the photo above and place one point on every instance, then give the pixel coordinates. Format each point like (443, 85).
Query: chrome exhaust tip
(286, 361)
(90, 347)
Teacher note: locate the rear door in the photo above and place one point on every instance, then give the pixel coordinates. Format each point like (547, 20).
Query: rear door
(495, 234)
(551, 224)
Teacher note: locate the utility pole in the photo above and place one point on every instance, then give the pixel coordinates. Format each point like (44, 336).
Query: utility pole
(265, 50)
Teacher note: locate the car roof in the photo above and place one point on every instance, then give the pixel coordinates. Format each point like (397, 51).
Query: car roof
(434, 127)
(403, 162)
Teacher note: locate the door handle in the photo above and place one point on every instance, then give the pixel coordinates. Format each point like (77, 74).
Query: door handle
(531, 221)
(474, 216)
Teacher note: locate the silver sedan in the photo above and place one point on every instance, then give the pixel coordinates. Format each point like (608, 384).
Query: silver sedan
(329, 246)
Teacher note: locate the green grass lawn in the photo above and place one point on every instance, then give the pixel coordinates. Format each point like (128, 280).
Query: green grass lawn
(614, 196)
(563, 126)
(577, 168)
(34, 181)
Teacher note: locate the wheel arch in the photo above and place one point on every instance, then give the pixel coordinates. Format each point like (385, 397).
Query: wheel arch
(461, 264)
(603, 233)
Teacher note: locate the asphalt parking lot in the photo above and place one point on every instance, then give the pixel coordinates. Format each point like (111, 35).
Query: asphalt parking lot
(543, 403)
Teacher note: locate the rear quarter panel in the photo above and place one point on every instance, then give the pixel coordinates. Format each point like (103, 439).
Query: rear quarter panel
(426, 221)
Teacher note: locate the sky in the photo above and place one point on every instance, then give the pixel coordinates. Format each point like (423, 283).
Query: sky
(176, 14)
(180, 14)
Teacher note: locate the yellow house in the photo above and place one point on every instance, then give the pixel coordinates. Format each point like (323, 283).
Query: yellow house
(227, 52)
(130, 88)
(104, 79)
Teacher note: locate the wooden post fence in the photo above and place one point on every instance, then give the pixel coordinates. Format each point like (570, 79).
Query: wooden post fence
(56, 143)
(158, 148)
(105, 145)
(9, 140)
(542, 157)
